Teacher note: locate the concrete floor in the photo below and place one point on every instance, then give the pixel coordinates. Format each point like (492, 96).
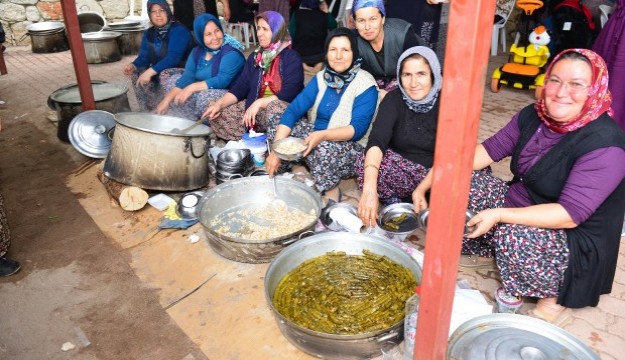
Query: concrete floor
(219, 304)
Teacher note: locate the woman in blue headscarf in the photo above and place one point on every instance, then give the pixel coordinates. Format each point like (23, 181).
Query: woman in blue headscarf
(165, 45)
(272, 77)
(381, 41)
(340, 102)
(211, 68)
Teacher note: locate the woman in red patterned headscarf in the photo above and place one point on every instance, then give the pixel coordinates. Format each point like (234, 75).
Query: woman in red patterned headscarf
(554, 230)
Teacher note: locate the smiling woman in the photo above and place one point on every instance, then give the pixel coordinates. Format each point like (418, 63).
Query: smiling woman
(400, 150)
(210, 71)
(555, 229)
(340, 101)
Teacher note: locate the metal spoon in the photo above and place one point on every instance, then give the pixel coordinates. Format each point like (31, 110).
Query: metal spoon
(185, 130)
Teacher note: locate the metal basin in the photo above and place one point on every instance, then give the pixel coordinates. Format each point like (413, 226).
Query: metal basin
(251, 192)
(331, 346)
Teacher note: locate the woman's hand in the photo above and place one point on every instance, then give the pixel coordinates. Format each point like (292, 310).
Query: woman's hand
(272, 163)
(418, 199)
(129, 69)
(213, 111)
(249, 118)
(162, 107)
(483, 222)
(313, 139)
(184, 95)
(145, 77)
(368, 207)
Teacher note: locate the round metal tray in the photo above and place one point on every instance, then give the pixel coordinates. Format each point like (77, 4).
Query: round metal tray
(90, 133)
(511, 336)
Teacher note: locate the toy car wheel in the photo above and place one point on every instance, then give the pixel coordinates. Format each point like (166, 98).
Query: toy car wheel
(494, 85)
(538, 92)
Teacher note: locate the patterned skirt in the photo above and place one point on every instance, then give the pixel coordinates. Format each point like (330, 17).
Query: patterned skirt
(229, 125)
(5, 235)
(196, 104)
(329, 161)
(149, 96)
(397, 177)
(531, 260)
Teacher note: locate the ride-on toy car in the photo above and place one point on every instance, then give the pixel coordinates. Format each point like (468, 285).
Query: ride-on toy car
(525, 68)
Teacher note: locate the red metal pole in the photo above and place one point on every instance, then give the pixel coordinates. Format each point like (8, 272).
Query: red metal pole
(466, 59)
(79, 58)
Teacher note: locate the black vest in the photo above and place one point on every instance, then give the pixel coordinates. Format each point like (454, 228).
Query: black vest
(312, 29)
(154, 57)
(594, 244)
(395, 31)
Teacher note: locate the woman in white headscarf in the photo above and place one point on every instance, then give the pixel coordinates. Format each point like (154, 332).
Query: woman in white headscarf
(400, 150)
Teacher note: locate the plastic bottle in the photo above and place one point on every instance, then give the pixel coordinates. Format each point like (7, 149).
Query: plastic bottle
(257, 143)
(410, 324)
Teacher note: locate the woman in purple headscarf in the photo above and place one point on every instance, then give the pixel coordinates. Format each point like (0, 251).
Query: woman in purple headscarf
(381, 41)
(164, 46)
(272, 77)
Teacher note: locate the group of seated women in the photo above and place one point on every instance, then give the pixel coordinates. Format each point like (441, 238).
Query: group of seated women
(553, 232)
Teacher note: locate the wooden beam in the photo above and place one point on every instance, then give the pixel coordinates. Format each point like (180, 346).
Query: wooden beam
(466, 60)
(79, 58)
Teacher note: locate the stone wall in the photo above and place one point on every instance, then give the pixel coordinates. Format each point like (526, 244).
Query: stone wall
(17, 14)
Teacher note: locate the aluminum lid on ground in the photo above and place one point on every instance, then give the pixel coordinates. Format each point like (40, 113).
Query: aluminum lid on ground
(511, 337)
(90, 133)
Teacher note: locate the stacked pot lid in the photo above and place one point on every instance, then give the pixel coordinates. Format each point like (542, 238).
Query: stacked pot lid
(233, 163)
(126, 25)
(45, 28)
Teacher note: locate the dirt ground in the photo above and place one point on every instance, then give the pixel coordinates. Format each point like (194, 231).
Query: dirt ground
(75, 285)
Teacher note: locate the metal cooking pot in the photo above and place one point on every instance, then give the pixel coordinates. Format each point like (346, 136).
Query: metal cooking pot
(67, 103)
(254, 192)
(47, 37)
(102, 47)
(130, 41)
(332, 346)
(91, 21)
(147, 152)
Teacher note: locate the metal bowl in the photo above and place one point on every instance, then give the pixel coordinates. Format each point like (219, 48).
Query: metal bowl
(423, 220)
(233, 157)
(188, 204)
(288, 141)
(388, 219)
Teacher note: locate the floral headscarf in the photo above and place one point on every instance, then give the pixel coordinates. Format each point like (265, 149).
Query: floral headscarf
(332, 78)
(161, 31)
(358, 4)
(279, 34)
(199, 25)
(424, 105)
(599, 97)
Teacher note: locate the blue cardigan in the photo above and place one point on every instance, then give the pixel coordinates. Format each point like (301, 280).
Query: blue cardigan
(362, 112)
(179, 43)
(219, 72)
(247, 85)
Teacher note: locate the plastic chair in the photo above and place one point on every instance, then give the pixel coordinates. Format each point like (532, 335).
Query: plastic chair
(242, 31)
(499, 29)
(340, 16)
(605, 10)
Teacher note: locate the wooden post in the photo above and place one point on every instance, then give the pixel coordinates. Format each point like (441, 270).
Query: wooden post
(130, 198)
(79, 58)
(466, 60)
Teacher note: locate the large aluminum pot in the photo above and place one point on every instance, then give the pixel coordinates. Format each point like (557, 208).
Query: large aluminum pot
(91, 21)
(254, 192)
(102, 47)
(149, 152)
(332, 346)
(47, 37)
(130, 41)
(67, 103)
